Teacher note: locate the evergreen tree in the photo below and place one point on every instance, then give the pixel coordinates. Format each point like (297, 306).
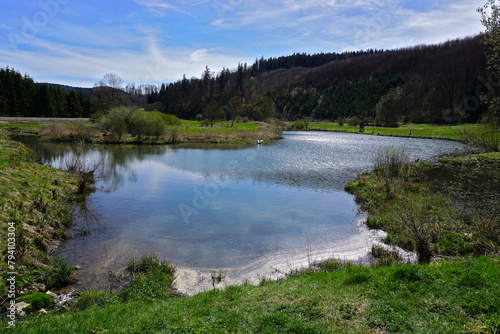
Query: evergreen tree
(74, 105)
(44, 101)
(60, 103)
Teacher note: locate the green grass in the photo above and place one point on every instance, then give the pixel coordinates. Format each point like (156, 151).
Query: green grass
(36, 199)
(441, 297)
(417, 130)
(490, 158)
(195, 126)
(451, 213)
(216, 129)
(186, 132)
(36, 300)
(12, 126)
(446, 297)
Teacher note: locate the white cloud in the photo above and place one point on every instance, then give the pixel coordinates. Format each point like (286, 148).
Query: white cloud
(197, 55)
(142, 50)
(337, 25)
(154, 63)
(159, 7)
(5, 27)
(154, 5)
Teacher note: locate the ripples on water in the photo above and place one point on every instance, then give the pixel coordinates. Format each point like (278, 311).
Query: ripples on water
(227, 207)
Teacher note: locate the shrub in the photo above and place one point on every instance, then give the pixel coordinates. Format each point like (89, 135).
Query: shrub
(340, 121)
(240, 119)
(299, 124)
(353, 121)
(306, 121)
(152, 279)
(147, 263)
(385, 257)
(53, 131)
(137, 122)
(115, 121)
(147, 124)
(485, 135)
(392, 163)
(199, 118)
(171, 119)
(61, 274)
(421, 218)
(95, 298)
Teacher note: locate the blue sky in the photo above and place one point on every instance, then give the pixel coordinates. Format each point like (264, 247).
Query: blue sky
(150, 41)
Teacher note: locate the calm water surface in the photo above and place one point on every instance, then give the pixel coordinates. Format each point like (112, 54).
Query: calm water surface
(219, 207)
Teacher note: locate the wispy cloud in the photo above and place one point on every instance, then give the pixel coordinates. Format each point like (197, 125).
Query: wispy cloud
(352, 24)
(155, 4)
(154, 64)
(160, 7)
(5, 27)
(160, 40)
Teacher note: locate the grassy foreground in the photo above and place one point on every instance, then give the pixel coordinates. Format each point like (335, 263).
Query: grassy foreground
(445, 297)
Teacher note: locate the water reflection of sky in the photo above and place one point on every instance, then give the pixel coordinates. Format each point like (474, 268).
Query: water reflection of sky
(228, 207)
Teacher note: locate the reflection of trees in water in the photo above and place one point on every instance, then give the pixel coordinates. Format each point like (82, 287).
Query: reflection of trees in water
(116, 158)
(120, 157)
(85, 219)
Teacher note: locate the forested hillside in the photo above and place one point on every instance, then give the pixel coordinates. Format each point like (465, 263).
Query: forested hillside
(425, 84)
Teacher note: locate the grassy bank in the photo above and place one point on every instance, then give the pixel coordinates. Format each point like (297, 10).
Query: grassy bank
(447, 210)
(445, 297)
(66, 130)
(450, 132)
(221, 132)
(36, 200)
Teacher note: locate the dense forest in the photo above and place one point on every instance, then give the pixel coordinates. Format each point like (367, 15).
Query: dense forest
(439, 83)
(427, 83)
(21, 96)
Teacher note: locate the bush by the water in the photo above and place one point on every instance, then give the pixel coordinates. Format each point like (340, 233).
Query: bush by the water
(152, 278)
(421, 213)
(482, 135)
(136, 122)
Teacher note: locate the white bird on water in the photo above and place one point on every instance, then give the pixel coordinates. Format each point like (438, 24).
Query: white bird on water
(260, 141)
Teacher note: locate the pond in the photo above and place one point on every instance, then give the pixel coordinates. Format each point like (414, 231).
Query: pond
(254, 210)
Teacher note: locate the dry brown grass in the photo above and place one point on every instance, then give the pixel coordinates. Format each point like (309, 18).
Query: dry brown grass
(58, 132)
(53, 131)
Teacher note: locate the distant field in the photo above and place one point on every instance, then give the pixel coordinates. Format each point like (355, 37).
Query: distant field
(407, 130)
(219, 127)
(36, 122)
(224, 128)
(187, 131)
(41, 119)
